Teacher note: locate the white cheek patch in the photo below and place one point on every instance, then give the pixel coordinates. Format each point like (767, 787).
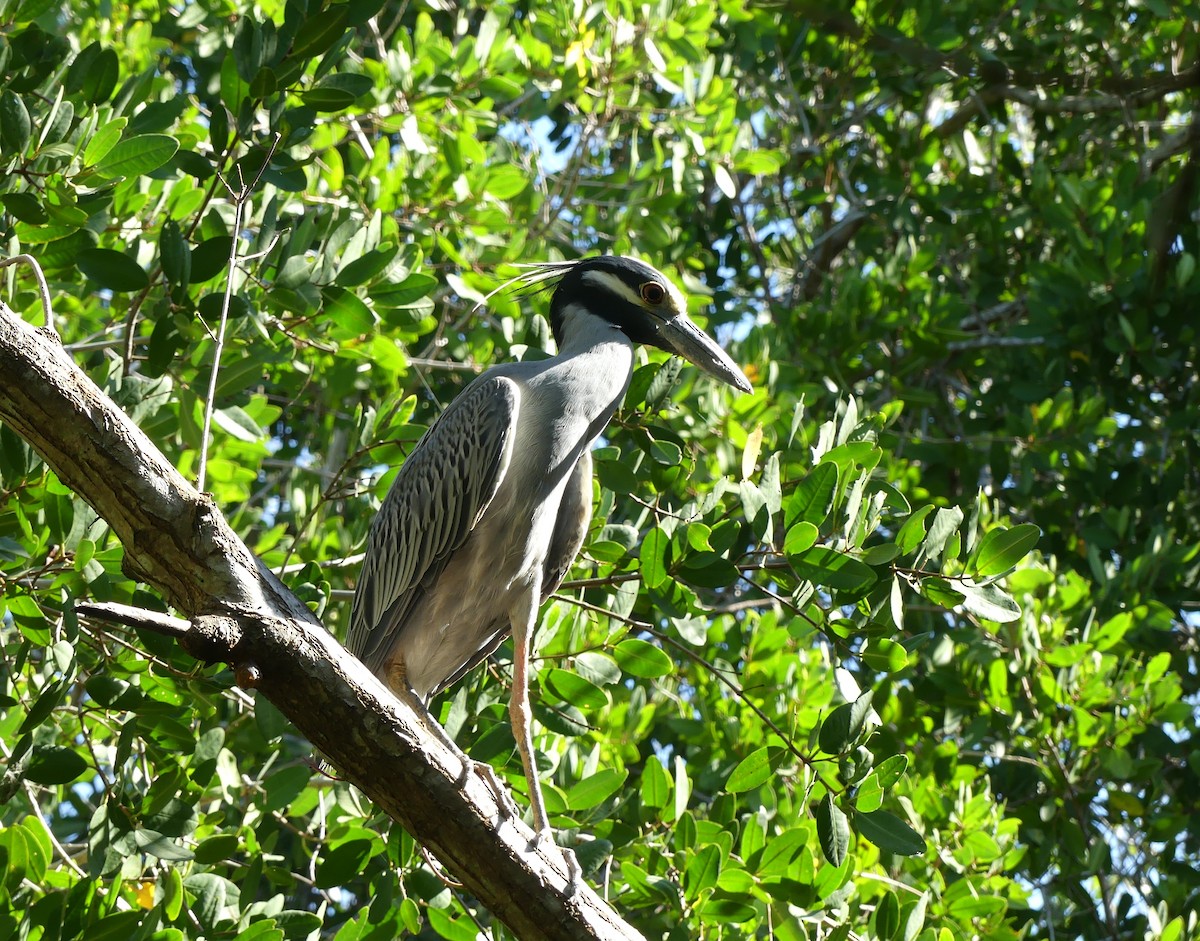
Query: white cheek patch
(611, 283)
(676, 302)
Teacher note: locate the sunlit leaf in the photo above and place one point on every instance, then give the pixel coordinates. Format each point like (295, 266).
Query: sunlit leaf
(833, 830)
(1001, 549)
(135, 156)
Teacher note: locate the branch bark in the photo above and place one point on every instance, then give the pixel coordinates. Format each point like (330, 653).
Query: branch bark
(176, 540)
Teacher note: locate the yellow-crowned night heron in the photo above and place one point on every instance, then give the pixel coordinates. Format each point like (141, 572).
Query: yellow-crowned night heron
(490, 509)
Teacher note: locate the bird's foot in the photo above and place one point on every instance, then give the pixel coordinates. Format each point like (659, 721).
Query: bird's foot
(574, 871)
(505, 806)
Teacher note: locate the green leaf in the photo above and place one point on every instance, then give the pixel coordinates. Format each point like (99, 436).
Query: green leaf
(25, 207)
(890, 770)
(833, 831)
(572, 688)
(594, 790)
(885, 655)
(416, 286)
(913, 530)
(890, 833)
(701, 871)
(137, 156)
(103, 141)
(597, 667)
(264, 83)
(843, 726)
(914, 924)
(174, 254)
(656, 785)
(452, 929)
(653, 554)
(210, 891)
(832, 569)
(940, 591)
(718, 910)
(641, 658)
(666, 452)
(343, 862)
(870, 794)
(945, 524)
(48, 699)
(505, 182)
(14, 857)
(800, 538)
(319, 32)
(101, 76)
(411, 916)
(988, 601)
(351, 317)
(1001, 549)
(113, 270)
(211, 305)
(284, 786)
(1173, 930)
(335, 92)
(707, 570)
(298, 924)
(751, 771)
(663, 383)
(15, 125)
(216, 848)
(811, 501)
(264, 930)
(234, 421)
(367, 266)
(163, 847)
(779, 852)
(887, 915)
(210, 258)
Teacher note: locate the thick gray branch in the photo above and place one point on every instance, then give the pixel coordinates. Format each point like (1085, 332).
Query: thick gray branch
(176, 540)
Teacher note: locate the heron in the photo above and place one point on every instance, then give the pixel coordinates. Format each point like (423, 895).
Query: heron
(488, 512)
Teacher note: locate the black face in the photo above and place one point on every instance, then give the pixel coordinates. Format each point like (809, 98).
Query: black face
(631, 294)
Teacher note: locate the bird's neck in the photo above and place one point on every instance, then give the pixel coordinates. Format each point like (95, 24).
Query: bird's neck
(594, 364)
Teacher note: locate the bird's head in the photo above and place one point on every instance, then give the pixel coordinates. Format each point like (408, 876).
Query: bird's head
(641, 302)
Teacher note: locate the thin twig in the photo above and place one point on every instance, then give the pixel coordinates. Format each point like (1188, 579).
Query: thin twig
(43, 287)
(239, 204)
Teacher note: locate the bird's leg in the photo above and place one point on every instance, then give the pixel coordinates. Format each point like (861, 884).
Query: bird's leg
(523, 622)
(505, 805)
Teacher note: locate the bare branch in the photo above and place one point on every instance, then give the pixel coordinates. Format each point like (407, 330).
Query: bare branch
(115, 613)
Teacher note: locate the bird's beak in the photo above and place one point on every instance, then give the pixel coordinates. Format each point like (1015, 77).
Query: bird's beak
(679, 335)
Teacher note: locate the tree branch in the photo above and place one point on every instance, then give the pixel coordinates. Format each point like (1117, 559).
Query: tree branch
(176, 540)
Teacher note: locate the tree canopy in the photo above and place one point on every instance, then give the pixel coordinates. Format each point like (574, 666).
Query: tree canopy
(902, 645)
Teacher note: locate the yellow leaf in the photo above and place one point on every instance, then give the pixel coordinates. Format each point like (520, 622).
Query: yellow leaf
(576, 54)
(145, 895)
(750, 454)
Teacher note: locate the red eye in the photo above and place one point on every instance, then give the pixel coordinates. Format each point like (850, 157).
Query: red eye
(653, 293)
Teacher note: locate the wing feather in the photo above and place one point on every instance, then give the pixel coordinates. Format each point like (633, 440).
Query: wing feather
(439, 496)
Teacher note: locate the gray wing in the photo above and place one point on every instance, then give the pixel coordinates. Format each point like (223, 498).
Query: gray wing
(438, 497)
(574, 515)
